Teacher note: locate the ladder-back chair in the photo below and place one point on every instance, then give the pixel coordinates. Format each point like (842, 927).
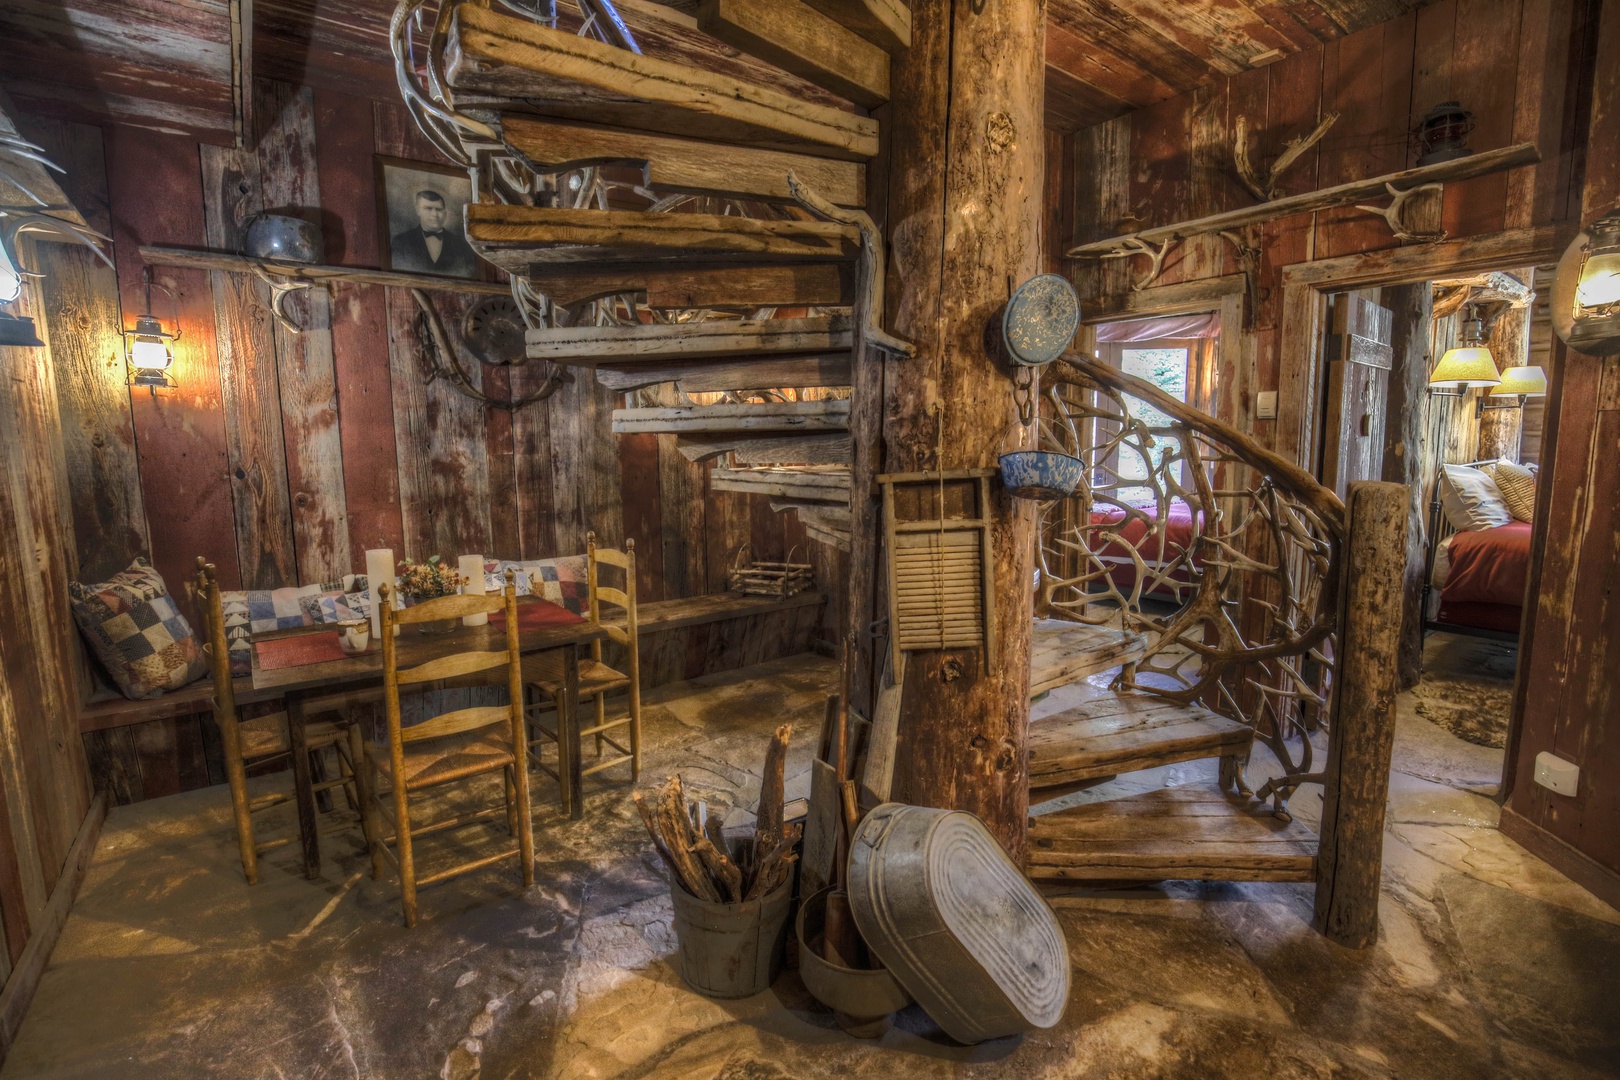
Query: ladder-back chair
(457, 745)
(260, 740)
(543, 674)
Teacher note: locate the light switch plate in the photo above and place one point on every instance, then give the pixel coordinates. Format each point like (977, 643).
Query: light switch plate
(1265, 405)
(1556, 774)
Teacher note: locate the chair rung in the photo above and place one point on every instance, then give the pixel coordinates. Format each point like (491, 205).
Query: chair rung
(547, 769)
(620, 747)
(271, 845)
(464, 868)
(328, 785)
(608, 764)
(608, 726)
(455, 822)
(265, 802)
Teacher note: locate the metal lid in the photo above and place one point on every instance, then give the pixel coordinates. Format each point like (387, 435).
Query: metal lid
(1040, 320)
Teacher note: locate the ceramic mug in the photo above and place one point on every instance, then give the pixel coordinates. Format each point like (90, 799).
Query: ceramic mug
(354, 636)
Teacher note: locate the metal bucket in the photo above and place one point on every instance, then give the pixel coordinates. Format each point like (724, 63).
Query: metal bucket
(960, 926)
(862, 1000)
(731, 950)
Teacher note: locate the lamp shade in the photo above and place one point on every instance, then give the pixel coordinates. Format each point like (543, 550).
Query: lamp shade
(1465, 367)
(1528, 381)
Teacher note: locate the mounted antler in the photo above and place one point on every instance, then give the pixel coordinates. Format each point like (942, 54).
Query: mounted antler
(1392, 214)
(1266, 189)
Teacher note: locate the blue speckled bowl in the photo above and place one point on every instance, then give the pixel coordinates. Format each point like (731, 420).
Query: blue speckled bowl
(1041, 474)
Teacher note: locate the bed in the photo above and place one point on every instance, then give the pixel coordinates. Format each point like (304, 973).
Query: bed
(1480, 577)
(1177, 548)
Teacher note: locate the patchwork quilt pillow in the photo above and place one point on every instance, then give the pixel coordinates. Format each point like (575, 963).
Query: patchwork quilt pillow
(564, 581)
(254, 611)
(132, 625)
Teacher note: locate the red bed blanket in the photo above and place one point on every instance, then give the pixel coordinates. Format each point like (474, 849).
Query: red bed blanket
(1489, 566)
(1179, 537)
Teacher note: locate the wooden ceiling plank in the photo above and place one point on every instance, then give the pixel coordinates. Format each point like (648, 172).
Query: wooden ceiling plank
(1099, 68)
(1112, 27)
(885, 23)
(796, 37)
(1226, 36)
(1072, 105)
(684, 164)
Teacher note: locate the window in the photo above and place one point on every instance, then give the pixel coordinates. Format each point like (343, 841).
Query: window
(1164, 365)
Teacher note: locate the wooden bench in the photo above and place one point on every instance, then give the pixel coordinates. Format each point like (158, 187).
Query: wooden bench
(681, 639)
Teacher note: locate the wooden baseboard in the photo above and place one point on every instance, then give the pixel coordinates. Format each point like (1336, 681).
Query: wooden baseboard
(19, 988)
(1580, 868)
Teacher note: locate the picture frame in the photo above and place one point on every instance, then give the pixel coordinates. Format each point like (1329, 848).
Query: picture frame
(416, 232)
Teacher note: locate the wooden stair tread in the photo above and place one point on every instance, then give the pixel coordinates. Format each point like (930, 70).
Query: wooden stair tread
(812, 483)
(1061, 652)
(831, 414)
(516, 238)
(1194, 832)
(1124, 733)
(561, 75)
(714, 339)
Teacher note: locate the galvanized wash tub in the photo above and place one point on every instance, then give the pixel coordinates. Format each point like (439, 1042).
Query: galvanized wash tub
(862, 1000)
(957, 922)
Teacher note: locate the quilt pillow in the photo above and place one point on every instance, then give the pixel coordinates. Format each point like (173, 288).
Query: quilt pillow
(1518, 487)
(564, 581)
(1471, 499)
(140, 637)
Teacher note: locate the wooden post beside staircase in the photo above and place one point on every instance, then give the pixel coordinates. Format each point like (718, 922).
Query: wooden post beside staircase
(964, 174)
(1350, 856)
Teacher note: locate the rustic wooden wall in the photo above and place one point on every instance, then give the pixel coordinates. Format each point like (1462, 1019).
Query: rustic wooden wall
(1517, 64)
(282, 457)
(1568, 700)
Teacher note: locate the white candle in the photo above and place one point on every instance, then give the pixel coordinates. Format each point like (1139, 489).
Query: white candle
(471, 568)
(379, 571)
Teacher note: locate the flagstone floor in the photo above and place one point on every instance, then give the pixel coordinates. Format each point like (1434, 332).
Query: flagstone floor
(1490, 964)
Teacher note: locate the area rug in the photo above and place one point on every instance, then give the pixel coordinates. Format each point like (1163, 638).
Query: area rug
(1470, 691)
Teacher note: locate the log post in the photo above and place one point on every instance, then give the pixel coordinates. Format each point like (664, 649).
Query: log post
(1406, 458)
(963, 171)
(1500, 430)
(1349, 859)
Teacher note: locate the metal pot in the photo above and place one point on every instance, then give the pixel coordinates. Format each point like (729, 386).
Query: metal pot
(282, 237)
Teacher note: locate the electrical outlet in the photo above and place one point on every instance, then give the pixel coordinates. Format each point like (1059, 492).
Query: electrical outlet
(1265, 405)
(1556, 774)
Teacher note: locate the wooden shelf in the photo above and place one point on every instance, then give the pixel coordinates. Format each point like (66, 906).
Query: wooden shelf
(700, 284)
(737, 373)
(198, 259)
(1194, 832)
(561, 75)
(516, 238)
(787, 416)
(811, 483)
(830, 448)
(715, 339)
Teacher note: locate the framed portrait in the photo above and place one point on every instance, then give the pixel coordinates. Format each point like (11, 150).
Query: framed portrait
(420, 207)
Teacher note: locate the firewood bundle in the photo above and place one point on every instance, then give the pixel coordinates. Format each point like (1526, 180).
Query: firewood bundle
(779, 579)
(698, 854)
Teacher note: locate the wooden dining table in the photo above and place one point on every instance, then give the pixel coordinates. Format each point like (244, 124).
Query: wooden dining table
(361, 676)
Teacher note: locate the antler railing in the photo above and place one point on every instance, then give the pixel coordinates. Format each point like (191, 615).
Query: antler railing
(1225, 555)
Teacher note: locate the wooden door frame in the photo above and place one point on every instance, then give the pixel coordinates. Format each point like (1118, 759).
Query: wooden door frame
(1306, 287)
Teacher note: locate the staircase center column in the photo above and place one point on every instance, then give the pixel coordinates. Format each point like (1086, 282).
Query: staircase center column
(963, 172)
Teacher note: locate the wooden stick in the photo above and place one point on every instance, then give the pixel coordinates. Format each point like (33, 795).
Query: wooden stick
(728, 878)
(677, 828)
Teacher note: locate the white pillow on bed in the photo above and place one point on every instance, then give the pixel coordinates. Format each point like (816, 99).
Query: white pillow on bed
(1471, 499)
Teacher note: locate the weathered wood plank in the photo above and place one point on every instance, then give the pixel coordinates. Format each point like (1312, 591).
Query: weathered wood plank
(815, 483)
(559, 74)
(1065, 652)
(830, 449)
(684, 164)
(585, 465)
(831, 414)
(304, 361)
(98, 434)
(886, 23)
(518, 237)
(796, 37)
(248, 379)
(713, 339)
(701, 376)
(701, 285)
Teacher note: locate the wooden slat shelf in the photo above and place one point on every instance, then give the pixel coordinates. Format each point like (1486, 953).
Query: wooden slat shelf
(791, 416)
(516, 238)
(812, 483)
(689, 165)
(700, 284)
(1123, 733)
(1193, 832)
(713, 339)
(1061, 653)
(796, 37)
(561, 75)
(833, 448)
(200, 259)
(743, 373)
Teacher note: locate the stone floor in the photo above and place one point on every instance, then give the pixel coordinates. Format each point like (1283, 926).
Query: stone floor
(1490, 964)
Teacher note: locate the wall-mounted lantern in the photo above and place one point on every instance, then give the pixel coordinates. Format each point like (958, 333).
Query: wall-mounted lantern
(1586, 290)
(149, 347)
(1443, 133)
(16, 330)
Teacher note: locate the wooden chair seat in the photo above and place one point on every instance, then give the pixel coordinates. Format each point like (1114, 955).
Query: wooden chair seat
(545, 670)
(442, 761)
(264, 736)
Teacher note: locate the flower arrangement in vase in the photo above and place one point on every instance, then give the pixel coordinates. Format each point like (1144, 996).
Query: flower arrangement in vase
(428, 581)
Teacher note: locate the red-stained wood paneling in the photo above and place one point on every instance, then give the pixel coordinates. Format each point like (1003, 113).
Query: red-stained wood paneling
(155, 198)
(1484, 74)
(643, 514)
